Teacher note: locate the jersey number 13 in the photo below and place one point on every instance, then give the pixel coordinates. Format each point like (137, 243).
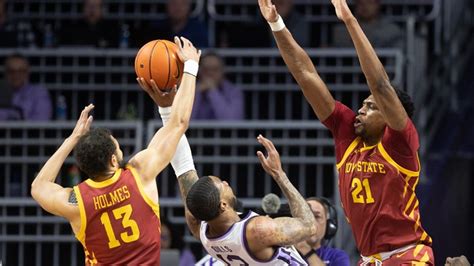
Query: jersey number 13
(124, 214)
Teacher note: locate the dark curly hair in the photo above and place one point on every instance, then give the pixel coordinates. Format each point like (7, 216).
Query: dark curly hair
(204, 199)
(94, 151)
(407, 102)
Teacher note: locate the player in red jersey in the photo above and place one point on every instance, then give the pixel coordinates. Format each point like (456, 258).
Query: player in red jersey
(376, 150)
(115, 213)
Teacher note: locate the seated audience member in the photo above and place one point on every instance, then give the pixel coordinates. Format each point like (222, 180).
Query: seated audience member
(380, 31)
(294, 21)
(180, 23)
(92, 29)
(216, 97)
(171, 240)
(20, 99)
(15, 33)
(315, 248)
(457, 261)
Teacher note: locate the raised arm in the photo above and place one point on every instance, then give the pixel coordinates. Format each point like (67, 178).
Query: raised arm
(286, 230)
(51, 196)
(379, 84)
(183, 166)
(186, 181)
(299, 63)
(151, 161)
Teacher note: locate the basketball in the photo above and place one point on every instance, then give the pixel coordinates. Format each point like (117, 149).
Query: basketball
(158, 60)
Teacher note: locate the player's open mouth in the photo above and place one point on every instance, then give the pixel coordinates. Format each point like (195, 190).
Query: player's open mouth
(357, 123)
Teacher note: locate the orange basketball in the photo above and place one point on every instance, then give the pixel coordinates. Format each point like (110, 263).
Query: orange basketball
(158, 60)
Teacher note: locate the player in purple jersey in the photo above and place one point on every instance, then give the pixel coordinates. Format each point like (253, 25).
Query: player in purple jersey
(241, 240)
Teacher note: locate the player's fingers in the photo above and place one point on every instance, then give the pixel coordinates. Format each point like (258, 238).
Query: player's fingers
(261, 157)
(89, 121)
(139, 80)
(273, 9)
(85, 111)
(266, 143)
(147, 89)
(178, 42)
(153, 84)
(186, 42)
(143, 84)
(265, 2)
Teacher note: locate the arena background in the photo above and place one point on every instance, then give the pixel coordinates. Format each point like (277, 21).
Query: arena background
(434, 65)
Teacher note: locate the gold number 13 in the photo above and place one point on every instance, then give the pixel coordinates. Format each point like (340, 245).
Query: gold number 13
(123, 213)
(358, 185)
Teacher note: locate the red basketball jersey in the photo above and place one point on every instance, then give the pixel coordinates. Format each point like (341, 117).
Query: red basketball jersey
(120, 224)
(377, 185)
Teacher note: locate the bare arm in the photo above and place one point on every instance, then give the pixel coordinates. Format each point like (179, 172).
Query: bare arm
(379, 84)
(182, 161)
(186, 181)
(51, 196)
(287, 230)
(300, 66)
(151, 161)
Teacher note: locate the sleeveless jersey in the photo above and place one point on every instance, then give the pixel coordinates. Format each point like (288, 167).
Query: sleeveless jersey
(376, 187)
(232, 247)
(120, 224)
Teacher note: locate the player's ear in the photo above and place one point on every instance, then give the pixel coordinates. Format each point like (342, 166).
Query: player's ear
(113, 160)
(222, 206)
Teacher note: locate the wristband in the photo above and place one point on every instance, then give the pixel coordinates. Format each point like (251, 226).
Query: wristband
(309, 254)
(191, 67)
(165, 113)
(277, 25)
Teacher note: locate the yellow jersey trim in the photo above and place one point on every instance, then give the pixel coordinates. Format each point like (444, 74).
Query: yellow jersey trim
(348, 151)
(154, 206)
(81, 235)
(366, 148)
(396, 165)
(105, 183)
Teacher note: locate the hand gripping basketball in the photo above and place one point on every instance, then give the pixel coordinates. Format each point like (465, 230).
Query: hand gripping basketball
(158, 60)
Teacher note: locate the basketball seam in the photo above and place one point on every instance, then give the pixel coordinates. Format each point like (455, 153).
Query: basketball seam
(169, 66)
(149, 59)
(136, 59)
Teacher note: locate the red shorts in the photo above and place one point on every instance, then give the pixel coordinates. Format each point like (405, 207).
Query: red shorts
(416, 256)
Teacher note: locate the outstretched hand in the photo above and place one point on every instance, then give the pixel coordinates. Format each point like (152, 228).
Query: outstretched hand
(186, 50)
(271, 164)
(268, 10)
(161, 98)
(84, 122)
(342, 10)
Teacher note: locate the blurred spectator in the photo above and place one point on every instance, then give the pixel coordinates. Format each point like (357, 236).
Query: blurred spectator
(179, 23)
(457, 261)
(314, 249)
(92, 29)
(20, 99)
(380, 31)
(294, 21)
(216, 97)
(172, 240)
(15, 33)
